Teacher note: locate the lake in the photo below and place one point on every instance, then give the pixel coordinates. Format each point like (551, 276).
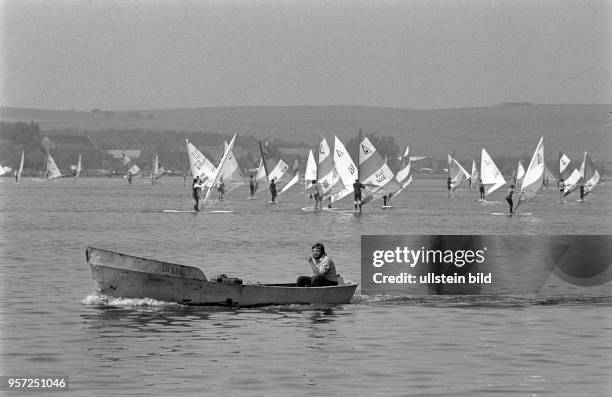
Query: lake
(557, 342)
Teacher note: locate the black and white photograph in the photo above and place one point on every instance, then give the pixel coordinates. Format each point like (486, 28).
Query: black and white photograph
(306, 197)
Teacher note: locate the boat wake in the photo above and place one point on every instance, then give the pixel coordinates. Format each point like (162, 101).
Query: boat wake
(97, 299)
(481, 300)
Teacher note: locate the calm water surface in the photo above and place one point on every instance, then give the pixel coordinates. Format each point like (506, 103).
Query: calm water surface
(53, 322)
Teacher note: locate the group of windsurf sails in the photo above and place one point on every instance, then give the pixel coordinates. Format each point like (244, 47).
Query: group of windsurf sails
(584, 178)
(226, 176)
(336, 172)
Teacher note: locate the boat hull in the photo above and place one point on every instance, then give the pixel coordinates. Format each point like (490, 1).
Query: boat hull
(120, 275)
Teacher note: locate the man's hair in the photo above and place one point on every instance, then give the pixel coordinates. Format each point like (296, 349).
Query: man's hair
(319, 245)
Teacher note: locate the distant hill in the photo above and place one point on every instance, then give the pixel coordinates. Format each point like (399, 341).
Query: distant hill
(506, 130)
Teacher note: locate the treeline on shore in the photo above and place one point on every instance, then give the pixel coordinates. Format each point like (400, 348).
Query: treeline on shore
(169, 145)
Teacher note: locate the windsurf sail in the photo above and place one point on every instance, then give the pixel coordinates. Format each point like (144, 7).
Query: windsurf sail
(520, 173)
(52, 169)
(572, 183)
(276, 168)
(564, 170)
(134, 170)
(346, 169)
(218, 175)
(260, 179)
(328, 175)
(490, 174)
(20, 170)
(200, 165)
(404, 171)
(475, 174)
(534, 176)
(590, 174)
(157, 169)
(456, 172)
(78, 167)
(374, 173)
(311, 171)
(3, 170)
(230, 173)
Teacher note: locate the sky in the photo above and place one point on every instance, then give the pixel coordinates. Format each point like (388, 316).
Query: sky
(128, 55)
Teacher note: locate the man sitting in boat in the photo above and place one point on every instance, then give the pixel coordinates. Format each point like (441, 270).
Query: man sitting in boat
(323, 268)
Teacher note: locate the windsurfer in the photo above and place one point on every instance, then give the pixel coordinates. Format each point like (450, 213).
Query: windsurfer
(509, 198)
(252, 186)
(316, 194)
(220, 189)
(449, 187)
(482, 190)
(323, 268)
(273, 189)
(357, 186)
(561, 188)
(196, 186)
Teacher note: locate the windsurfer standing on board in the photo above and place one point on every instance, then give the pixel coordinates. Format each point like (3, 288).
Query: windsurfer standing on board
(196, 186)
(273, 190)
(252, 186)
(323, 268)
(482, 190)
(357, 186)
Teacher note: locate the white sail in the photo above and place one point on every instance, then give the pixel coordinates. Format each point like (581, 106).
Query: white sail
(78, 167)
(404, 171)
(328, 175)
(564, 162)
(456, 172)
(374, 173)
(490, 174)
(475, 174)
(572, 182)
(311, 170)
(260, 179)
(52, 169)
(200, 165)
(20, 170)
(346, 169)
(218, 172)
(231, 173)
(3, 170)
(520, 172)
(134, 170)
(276, 168)
(534, 176)
(590, 175)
